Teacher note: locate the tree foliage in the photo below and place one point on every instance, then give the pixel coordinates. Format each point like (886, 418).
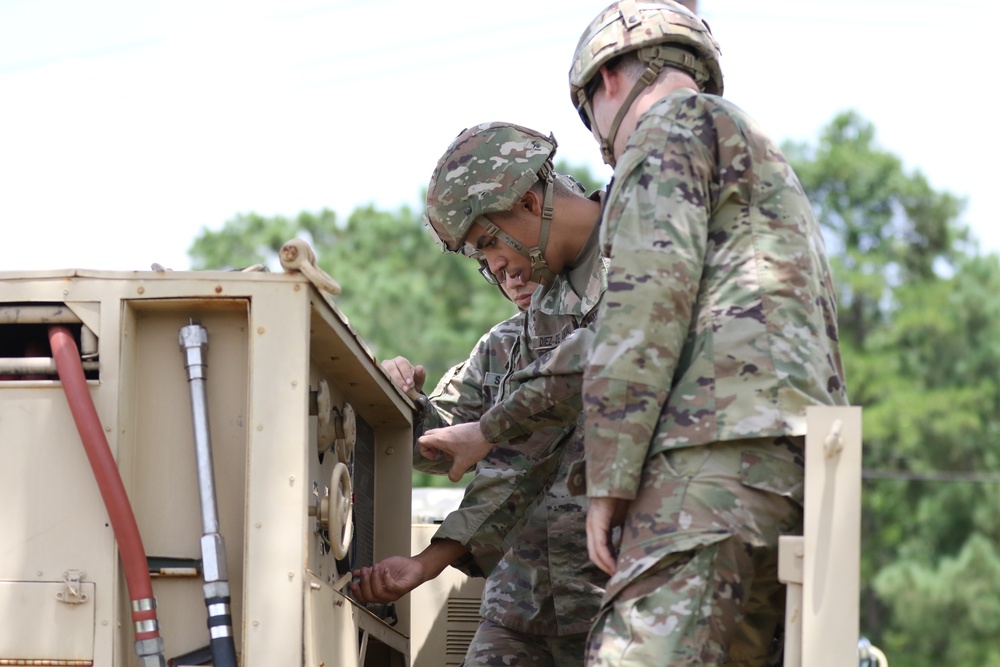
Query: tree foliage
(920, 333)
(401, 293)
(887, 227)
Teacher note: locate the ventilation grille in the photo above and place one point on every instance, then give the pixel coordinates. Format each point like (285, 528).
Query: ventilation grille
(457, 644)
(364, 495)
(463, 610)
(462, 620)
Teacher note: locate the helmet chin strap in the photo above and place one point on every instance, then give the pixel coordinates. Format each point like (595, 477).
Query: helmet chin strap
(655, 58)
(608, 144)
(540, 272)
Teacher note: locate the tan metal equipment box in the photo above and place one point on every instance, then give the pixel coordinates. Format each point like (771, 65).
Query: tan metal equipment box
(285, 370)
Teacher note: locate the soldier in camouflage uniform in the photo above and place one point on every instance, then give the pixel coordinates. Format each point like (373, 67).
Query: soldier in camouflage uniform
(541, 598)
(717, 331)
(481, 529)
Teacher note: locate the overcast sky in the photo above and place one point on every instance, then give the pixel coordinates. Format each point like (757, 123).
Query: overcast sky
(127, 127)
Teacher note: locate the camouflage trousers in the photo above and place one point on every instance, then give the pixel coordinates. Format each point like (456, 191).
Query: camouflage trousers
(697, 579)
(495, 645)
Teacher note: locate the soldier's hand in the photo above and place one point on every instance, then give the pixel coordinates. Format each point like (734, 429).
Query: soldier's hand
(406, 376)
(387, 580)
(464, 444)
(603, 515)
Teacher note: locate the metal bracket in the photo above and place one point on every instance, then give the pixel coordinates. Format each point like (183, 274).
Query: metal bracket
(73, 593)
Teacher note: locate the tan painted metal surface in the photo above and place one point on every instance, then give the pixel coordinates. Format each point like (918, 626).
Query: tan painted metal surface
(822, 567)
(272, 338)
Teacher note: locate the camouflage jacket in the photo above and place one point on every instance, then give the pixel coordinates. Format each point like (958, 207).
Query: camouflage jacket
(545, 583)
(550, 552)
(545, 383)
(720, 321)
(493, 506)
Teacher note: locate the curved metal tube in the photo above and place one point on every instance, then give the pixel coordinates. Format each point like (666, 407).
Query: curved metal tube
(148, 643)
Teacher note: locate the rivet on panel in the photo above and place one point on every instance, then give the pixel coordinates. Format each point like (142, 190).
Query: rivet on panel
(291, 481)
(218, 289)
(295, 383)
(297, 287)
(257, 525)
(390, 451)
(260, 330)
(260, 427)
(141, 290)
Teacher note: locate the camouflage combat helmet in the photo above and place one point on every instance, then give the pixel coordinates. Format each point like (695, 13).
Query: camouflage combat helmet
(487, 169)
(662, 33)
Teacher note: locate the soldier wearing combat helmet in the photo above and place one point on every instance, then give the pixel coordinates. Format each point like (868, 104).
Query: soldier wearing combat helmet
(718, 330)
(487, 170)
(495, 194)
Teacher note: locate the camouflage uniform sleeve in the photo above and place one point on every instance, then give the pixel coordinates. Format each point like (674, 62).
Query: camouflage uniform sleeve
(457, 399)
(494, 507)
(547, 392)
(654, 231)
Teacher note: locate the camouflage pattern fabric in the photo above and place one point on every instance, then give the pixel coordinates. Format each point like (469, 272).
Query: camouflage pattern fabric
(511, 477)
(712, 597)
(549, 553)
(719, 326)
(546, 584)
(624, 27)
(497, 645)
(719, 322)
(518, 503)
(486, 169)
(545, 387)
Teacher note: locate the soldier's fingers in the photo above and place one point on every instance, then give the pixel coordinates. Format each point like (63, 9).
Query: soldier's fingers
(458, 469)
(376, 584)
(427, 450)
(597, 540)
(419, 377)
(392, 588)
(392, 368)
(364, 588)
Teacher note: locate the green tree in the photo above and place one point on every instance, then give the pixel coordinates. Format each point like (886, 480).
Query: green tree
(581, 173)
(400, 293)
(886, 227)
(921, 343)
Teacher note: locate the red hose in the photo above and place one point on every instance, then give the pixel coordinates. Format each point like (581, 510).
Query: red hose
(70, 369)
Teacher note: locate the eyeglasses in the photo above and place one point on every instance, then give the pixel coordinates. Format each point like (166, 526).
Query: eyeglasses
(484, 267)
(492, 278)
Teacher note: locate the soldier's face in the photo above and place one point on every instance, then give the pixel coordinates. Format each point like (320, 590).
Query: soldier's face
(511, 269)
(520, 294)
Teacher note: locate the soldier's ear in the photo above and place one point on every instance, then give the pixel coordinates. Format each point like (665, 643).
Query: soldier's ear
(613, 80)
(531, 202)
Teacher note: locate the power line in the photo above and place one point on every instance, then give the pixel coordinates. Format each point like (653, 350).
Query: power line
(962, 477)
(110, 50)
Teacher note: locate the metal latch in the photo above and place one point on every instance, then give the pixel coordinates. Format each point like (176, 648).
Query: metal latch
(73, 593)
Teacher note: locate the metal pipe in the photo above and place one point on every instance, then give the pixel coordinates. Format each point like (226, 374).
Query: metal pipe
(36, 366)
(193, 341)
(148, 643)
(38, 314)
